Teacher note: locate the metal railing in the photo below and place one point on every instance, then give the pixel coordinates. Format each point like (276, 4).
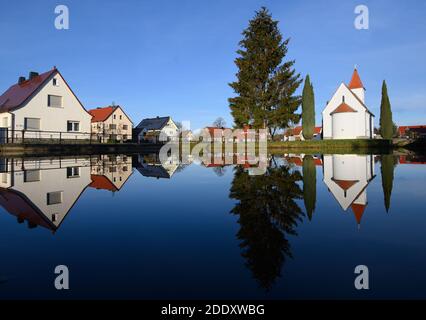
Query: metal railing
(58, 137)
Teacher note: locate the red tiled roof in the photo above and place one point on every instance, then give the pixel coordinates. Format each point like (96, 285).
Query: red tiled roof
(298, 130)
(358, 210)
(356, 82)
(402, 129)
(345, 184)
(212, 130)
(18, 94)
(102, 182)
(343, 108)
(101, 114)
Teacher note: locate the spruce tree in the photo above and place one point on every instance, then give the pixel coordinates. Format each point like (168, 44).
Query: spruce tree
(308, 110)
(265, 87)
(386, 122)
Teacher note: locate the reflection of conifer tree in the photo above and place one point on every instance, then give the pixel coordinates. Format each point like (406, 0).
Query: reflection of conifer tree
(387, 168)
(309, 185)
(267, 211)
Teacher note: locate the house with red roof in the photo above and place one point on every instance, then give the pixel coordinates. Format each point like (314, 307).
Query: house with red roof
(296, 134)
(111, 124)
(43, 102)
(346, 115)
(418, 131)
(110, 172)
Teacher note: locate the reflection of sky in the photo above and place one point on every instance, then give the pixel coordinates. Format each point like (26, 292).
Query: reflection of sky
(176, 238)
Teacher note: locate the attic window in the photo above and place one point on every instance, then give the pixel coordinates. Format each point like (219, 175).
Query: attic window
(343, 98)
(55, 82)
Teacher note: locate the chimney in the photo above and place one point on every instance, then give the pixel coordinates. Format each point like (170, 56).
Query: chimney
(33, 75)
(21, 80)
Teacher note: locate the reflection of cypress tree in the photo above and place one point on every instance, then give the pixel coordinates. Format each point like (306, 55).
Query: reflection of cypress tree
(388, 163)
(267, 212)
(309, 185)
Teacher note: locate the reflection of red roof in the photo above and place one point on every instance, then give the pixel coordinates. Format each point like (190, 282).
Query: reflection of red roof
(102, 182)
(358, 210)
(101, 114)
(18, 94)
(356, 82)
(412, 160)
(345, 184)
(343, 108)
(298, 161)
(19, 206)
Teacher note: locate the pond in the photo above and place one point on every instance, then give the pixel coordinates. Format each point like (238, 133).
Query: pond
(127, 226)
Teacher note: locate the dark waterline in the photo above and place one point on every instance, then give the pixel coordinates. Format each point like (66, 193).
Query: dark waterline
(129, 227)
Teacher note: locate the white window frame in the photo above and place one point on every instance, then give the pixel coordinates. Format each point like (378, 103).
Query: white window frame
(73, 123)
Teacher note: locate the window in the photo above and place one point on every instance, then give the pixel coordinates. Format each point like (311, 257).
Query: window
(121, 117)
(125, 137)
(73, 126)
(125, 169)
(32, 175)
(32, 124)
(73, 172)
(114, 117)
(55, 217)
(54, 197)
(55, 82)
(125, 126)
(54, 101)
(112, 126)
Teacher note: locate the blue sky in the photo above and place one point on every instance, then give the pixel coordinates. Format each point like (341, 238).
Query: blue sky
(177, 57)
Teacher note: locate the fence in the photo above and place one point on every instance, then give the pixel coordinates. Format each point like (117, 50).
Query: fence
(57, 137)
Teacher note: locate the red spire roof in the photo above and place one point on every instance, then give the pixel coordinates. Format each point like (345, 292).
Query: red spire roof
(345, 184)
(358, 210)
(356, 82)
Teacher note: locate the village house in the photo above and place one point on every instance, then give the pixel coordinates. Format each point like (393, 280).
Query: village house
(111, 124)
(296, 134)
(346, 115)
(42, 105)
(110, 172)
(150, 129)
(412, 131)
(215, 134)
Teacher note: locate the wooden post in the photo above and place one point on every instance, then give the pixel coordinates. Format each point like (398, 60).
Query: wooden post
(60, 137)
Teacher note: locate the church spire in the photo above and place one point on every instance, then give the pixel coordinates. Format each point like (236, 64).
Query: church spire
(356, 82)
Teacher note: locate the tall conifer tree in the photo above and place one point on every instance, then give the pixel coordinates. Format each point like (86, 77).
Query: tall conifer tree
(308, 109)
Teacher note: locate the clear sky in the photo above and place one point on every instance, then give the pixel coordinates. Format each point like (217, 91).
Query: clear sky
(177, 57)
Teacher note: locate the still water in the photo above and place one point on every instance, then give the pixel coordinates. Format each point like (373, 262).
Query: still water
(128, 227)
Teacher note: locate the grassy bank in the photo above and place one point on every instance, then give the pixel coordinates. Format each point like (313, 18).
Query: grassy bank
(332, 146)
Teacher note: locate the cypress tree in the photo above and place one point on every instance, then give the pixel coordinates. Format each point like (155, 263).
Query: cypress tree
(308, 109)
(386, 122)
(309, 185)
(387, 170)
(265, 86)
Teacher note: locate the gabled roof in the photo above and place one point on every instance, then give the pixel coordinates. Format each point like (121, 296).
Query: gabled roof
(102, 182)
(355, 82)
(154, 171)
(358, 210)
(343, 108)
(18, 94)
(402, 129)
(345, 184)
(157, 123)
(101, 114)
(298, 130)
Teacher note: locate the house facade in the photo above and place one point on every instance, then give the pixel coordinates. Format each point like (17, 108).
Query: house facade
(150, 129)
(43, 105)
(111, 124)
(346, 115)
(110, 172)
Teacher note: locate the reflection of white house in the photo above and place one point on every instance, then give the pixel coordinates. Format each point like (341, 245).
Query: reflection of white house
(150, 166)
(42, 192)
(44, 102)
(110, 172)
(346, 116)
(347, 178)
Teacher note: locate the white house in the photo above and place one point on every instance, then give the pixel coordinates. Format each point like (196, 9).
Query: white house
(347, 178)
(296, 134)
(46, 104)
(346, 115)
(111, 124)
(150, 129)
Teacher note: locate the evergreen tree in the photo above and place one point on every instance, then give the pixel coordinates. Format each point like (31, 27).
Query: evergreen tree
(265, 85)
(309, 185)
(308, 110)
(386, 122)
(387, 168)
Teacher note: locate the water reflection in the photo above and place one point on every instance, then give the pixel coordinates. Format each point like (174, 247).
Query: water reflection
(267, 213)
